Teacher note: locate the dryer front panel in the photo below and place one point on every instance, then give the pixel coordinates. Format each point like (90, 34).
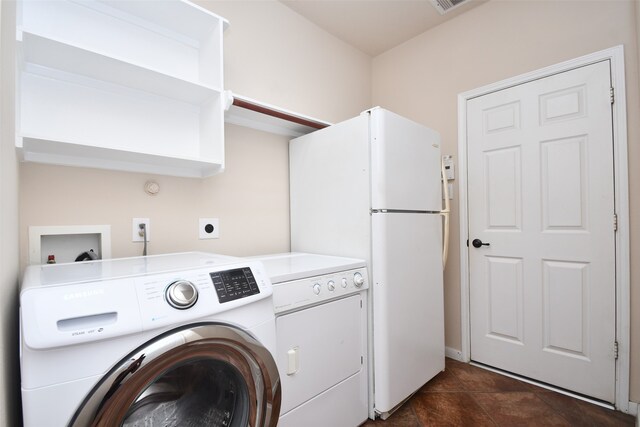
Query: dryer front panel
(318, 348)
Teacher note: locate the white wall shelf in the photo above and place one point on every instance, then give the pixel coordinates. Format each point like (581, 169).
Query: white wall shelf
(126, 85)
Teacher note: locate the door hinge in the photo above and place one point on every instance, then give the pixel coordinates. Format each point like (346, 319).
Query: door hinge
(612, 93)
(615, 350)
(615, 222)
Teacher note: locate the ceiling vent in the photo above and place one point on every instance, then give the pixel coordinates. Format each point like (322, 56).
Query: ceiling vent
(444, 6)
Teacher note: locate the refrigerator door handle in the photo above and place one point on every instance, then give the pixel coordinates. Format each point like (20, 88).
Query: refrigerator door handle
(445, 213)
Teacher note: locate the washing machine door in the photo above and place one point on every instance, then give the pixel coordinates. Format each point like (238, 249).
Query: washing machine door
(203, 375)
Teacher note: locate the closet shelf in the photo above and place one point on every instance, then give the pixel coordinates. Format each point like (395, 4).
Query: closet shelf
(244, 111)
(70, 154)
(55, 56)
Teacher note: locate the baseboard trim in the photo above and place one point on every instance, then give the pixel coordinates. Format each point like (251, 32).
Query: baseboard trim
(453, 353)
(633, 410)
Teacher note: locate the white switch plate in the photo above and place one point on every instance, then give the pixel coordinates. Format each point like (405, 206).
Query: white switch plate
(135, 229)
(208, 228)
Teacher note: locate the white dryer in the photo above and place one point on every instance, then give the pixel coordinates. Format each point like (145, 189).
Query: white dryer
(179, 339)
(321, 326)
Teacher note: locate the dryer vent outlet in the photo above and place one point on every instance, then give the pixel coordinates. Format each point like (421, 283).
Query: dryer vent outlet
(208, 228)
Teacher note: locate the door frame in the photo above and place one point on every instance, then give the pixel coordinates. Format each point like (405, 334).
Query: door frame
(621, 181)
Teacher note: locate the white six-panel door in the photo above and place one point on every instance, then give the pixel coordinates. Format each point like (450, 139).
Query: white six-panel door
(540, 192)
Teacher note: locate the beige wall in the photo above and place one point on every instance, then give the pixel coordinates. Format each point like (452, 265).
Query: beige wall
(637, 15)
(422, 78)
(9, 391)
(251, 199)
(272, 55)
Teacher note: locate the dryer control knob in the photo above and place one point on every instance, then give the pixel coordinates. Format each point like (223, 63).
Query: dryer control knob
(331, 285)
(344, 282)
(181, 294)
(358, 280)
(316, 289)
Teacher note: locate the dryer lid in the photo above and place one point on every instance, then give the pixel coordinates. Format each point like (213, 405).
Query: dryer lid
(285, 267)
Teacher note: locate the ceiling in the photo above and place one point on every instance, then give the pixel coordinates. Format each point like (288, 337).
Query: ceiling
(374, 26)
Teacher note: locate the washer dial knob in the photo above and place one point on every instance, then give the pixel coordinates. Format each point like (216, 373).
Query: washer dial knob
(358, 280)
(331, 285)
(316, 288)
(181, 294)
(344, 282)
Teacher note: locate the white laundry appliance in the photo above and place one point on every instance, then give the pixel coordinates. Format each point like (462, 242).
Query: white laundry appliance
(321, 327)
(171, 340)
(369, 188)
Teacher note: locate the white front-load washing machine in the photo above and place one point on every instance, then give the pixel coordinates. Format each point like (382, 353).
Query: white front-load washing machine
(171, 340)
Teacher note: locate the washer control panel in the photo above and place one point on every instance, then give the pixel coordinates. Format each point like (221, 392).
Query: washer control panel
(313, 290)
(82, 312)
(234, 284)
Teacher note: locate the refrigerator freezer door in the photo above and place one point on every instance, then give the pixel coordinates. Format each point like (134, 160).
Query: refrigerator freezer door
(408, 307)
(405, 164)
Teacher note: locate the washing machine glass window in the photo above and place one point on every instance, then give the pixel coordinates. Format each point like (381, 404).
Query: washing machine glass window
(202, 375)
(201, 392)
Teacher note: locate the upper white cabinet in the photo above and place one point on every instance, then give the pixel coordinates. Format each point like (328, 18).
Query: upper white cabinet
(128, 85)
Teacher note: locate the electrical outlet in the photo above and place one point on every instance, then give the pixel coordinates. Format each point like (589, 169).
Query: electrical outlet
(136, 235)
(208, 228)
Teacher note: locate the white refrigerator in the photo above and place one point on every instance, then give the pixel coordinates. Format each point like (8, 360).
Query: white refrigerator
(370, 188)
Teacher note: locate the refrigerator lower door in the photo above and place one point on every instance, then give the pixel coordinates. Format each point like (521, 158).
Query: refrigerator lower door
(408, 307)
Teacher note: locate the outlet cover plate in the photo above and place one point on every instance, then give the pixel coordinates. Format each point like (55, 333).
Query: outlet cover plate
(208, 228)
(135, 229)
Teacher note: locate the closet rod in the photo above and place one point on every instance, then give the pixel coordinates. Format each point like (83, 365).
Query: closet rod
(277, 114)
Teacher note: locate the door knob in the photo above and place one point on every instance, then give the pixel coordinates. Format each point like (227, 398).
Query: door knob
(477, 243)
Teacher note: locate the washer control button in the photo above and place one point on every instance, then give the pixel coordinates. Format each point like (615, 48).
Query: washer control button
(344, 282)
(358, 280)
(181, 294)
(331, 285)
(316, 288)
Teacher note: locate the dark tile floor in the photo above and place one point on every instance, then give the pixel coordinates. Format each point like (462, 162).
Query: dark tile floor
(465, 395)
